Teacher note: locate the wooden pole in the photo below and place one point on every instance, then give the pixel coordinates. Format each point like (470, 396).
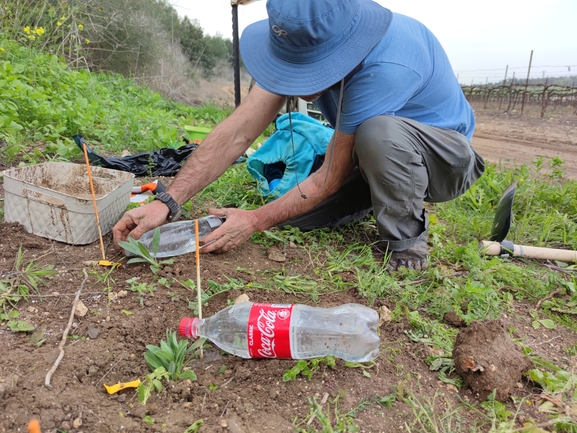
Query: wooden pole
(504, 84)
(526, 82)
(198, 290)
(236, 54)
(94, 199)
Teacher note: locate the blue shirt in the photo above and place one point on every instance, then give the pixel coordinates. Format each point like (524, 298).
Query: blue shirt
(406, 74)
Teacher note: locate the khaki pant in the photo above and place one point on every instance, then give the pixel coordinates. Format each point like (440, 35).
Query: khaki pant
(401, 164)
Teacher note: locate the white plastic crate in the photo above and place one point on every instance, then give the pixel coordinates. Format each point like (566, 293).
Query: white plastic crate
(53, 200)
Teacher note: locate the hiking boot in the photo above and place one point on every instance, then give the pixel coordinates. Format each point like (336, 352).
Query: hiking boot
(414, 258)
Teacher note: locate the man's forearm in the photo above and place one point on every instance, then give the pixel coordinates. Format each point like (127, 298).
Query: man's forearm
(315, 188)
(225, 144)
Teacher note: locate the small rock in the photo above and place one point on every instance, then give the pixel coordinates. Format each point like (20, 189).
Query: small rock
(65, 425)
(93, 331)
(138, 411)
(276, 255)
(77, 423)
(81, 311)
(291, 244)
(112, 296)
(385, 315)
(452, 388)
(32, 310)
(122, 294)
(223, 423)
(242, 298)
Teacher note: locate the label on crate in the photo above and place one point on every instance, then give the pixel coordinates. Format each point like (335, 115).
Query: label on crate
(268, 331)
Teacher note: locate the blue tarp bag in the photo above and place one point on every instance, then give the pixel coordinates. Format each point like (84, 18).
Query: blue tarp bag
(274, 165)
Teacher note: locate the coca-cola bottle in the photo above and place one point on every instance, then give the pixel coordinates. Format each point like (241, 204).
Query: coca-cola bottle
(253, 330)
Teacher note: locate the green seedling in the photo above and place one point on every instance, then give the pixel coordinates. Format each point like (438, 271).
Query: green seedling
(152, 381)
(173, 356)
(195, 427)
(145, 256)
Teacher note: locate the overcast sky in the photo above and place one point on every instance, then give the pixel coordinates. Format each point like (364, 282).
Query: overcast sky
(481, 41)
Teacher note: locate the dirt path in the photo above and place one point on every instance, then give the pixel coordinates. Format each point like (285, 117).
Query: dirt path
(512, 152)
(513, 140)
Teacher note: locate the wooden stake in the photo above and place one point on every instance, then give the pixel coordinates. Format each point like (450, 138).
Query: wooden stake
(198, 274)
(94, 200)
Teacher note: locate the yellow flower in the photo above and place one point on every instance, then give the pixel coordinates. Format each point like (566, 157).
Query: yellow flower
(80, 27)
(27, 30)
(31, 37)
(59, 23)
(1, 49)
(39, 31)
(87, 41)
(62, 18)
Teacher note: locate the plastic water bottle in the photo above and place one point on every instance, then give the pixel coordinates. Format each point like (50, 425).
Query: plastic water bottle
(179, 237)
(253, 330)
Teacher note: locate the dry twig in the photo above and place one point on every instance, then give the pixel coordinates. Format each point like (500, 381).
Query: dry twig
(549, 296)
(65, 333)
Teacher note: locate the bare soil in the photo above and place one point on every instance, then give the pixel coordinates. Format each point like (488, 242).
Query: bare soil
(231, 394)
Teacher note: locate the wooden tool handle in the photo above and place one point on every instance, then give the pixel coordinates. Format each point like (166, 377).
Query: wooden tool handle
(494, 249)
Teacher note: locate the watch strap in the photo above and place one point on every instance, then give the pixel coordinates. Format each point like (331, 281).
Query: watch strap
(174, 209)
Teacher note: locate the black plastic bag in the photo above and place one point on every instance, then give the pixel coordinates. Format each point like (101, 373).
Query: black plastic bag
(161, 162)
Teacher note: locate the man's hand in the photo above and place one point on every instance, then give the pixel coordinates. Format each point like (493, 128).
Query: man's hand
(138, 221)
(238, 227)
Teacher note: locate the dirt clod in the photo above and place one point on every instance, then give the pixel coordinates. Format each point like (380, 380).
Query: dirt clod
(488, 360)
(453, 319)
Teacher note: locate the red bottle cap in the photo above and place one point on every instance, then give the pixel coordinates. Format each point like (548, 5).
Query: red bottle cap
(187, 327)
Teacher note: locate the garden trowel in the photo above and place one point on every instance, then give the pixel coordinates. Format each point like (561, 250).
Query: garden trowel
(498, 246)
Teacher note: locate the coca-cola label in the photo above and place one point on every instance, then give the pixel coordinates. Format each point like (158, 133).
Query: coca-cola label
(268, 331)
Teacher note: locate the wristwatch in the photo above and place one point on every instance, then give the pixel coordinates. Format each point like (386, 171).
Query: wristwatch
(175, 210)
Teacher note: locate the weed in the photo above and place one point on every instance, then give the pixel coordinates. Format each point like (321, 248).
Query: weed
(24, 278)
(331, 419)
(429, 418)
(498, 413)
(214, 289)
(141, 288)
(363, 366)
(195, 427)
(308, 367)
(152, 381)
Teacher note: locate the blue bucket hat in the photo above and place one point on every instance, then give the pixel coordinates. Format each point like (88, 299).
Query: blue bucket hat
(306, 46)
